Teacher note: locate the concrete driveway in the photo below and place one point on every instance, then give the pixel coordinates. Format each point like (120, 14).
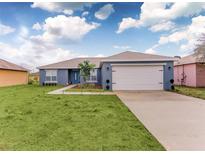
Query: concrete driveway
(177, 121)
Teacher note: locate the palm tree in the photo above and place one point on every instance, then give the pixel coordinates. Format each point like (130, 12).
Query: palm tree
(85, 68)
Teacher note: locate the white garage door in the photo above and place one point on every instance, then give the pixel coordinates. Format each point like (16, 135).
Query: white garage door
(137, 77)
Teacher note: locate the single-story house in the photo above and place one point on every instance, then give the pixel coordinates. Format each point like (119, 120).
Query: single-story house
(190, 71)
(12, 74)
(124, 71)
(34, 76)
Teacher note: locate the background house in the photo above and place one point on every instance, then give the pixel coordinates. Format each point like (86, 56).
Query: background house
(189, 71)
(34, 77)
(12, 74)
(123, 71)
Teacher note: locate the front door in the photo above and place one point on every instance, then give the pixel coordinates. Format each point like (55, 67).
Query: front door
(75, 77)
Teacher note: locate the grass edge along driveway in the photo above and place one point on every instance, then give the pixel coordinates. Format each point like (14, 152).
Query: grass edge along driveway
(191, 91)
(32, 120)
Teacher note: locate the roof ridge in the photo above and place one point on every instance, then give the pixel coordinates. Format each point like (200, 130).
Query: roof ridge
(138, 52)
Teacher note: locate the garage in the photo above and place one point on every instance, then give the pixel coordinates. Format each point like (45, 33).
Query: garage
(137, 77)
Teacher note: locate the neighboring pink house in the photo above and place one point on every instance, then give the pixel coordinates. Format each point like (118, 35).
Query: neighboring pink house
(189, 71)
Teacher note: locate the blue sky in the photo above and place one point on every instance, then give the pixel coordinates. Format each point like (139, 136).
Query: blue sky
(33, 34)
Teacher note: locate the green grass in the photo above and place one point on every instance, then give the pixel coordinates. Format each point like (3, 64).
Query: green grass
(190, 91)
(32, 120)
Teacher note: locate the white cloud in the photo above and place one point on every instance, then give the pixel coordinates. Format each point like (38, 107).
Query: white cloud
(23, 34)
(150, 51)
(7, 50)
(68, 12)
(126, 24)
(61, 7)
(4, 29)
(189, 34)
(32, 54)
(155, 13)
(164, 26)
(174, 37)
(48, 6)
(189, 46)
(104, 12)
(85, 13)
(121, 47)
(37, 50)
(37, 26)
(71, 28)
(100, 55)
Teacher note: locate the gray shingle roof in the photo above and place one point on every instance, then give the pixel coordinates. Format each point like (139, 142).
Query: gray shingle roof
(189, 60)
(124, 56)
(137, 56)
(72, 63)
(10, 66)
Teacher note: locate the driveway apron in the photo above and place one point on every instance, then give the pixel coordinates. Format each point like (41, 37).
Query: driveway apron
(177, 121)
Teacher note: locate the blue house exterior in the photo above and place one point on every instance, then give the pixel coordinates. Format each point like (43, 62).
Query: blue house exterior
(67, 72)
(167, 71)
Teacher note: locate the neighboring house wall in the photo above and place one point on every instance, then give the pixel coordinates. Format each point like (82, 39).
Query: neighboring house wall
(107, 73)
(34, 77)
(177, 75)
(185, 75)
(9, 77)
(200, 75)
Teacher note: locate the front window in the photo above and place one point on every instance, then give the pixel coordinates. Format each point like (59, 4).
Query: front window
(93, 76)
(51, 75)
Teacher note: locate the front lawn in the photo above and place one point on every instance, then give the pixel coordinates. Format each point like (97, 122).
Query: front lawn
(190, 91)
(32, 120)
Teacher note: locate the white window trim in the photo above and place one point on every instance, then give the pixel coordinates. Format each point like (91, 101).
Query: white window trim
(51, 74)
(93, 73)
(140, 64)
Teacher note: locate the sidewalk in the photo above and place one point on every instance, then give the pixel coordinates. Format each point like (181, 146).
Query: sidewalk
(63, 91)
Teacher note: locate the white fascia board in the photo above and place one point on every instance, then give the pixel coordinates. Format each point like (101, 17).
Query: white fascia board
(51, 68)
(133, 60)
(140, 64)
